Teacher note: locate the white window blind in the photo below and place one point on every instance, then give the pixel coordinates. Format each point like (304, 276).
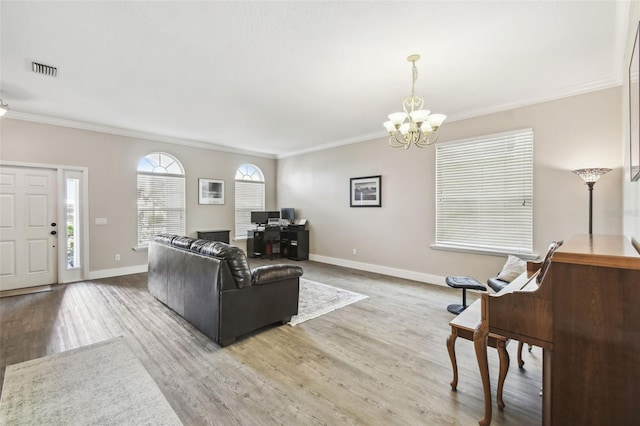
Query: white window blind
(160, 206)
(484, 193)
(249, 196)
(161, 197)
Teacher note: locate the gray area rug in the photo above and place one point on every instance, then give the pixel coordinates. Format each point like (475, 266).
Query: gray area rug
(318, 299)
(99, 384)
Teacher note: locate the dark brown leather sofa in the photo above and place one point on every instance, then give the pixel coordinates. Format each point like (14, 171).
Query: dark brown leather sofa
(211, 285)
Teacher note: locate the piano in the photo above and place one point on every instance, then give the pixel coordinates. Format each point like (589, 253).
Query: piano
(583, 310)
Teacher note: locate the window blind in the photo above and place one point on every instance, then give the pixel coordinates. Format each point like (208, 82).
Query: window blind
(249, 197)
(484, 193)
(161, 206)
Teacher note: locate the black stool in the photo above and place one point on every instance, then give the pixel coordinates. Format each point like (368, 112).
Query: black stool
(465, 283)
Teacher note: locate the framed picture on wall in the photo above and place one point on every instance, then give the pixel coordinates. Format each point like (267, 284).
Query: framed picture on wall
(634, 109)
(210, 191)
(366, 191)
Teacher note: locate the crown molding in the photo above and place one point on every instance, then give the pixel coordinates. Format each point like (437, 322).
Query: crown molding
(342, 142)
(571, 91)
(92, 127)
(603, 84)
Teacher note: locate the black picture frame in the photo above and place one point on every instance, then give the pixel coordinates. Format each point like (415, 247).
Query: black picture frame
(365, 191)
(634, 109)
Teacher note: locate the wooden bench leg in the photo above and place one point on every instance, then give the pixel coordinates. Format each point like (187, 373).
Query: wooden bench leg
(480, 336)
(504, 368)
(520, 360)
(451, 346)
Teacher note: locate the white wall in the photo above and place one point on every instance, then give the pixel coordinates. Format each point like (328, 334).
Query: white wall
(112, 162)
(630, 211)
(570, 133)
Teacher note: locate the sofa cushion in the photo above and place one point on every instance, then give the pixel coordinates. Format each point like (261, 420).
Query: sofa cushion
(236, 260)
(211, 248)
(271, 273)
(164, 238)
(182, 242)
(198, 244)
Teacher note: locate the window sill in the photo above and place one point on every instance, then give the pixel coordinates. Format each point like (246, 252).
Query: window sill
(140, 248)
(525, 256)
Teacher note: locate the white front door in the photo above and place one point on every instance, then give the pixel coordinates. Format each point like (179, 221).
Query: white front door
(28, 227)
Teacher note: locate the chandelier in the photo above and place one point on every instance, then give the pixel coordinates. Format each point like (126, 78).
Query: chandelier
(415, 125)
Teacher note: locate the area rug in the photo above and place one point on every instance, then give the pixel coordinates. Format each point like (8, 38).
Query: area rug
(99, 384)
(318, 299)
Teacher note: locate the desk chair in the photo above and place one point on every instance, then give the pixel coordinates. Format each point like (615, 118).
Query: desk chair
(272, 240)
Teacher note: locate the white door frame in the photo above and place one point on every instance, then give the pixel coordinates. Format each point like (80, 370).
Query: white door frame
(65, 275)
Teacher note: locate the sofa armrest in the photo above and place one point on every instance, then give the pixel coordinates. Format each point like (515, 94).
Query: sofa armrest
(271, 273)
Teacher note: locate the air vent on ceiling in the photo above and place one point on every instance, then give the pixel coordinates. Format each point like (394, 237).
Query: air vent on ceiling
(44, 69)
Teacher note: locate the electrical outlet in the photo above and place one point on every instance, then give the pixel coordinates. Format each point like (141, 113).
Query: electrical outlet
(117, 257)
(355, 252)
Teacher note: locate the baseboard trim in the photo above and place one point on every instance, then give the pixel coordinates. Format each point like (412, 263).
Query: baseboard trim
(108, 273)
(384, 270)
(378, 269)
(25, 290)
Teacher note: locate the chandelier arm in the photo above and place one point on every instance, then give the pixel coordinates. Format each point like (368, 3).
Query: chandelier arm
(394, 142)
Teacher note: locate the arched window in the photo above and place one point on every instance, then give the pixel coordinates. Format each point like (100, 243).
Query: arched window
(249, 196)
(161, 199)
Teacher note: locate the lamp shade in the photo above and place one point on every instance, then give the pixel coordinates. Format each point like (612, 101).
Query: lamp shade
(591, 175)
(389, 126)
(420, 115)
(435, 120)
(397, 117)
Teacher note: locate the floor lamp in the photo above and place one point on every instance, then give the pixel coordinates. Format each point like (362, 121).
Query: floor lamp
(590, 177)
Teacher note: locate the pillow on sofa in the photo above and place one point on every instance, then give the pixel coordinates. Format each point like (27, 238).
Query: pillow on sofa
(236, 259)
(514, 267)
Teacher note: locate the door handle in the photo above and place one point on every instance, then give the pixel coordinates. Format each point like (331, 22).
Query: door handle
(53, 224)
(53, 232)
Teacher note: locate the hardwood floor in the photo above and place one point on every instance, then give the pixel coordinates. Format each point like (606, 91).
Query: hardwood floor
(380, 361)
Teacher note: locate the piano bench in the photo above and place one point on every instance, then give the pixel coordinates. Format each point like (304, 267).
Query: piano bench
(465, 283)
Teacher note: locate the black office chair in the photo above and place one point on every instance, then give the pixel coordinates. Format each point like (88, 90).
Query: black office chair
(272, 240)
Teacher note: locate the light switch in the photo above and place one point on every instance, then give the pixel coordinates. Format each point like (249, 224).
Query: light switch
(101, 220)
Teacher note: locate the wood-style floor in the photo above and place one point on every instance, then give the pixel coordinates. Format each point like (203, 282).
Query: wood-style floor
(380, 361)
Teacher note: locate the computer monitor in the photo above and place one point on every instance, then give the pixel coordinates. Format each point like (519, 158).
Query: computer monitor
(259, 218)
(287, 213)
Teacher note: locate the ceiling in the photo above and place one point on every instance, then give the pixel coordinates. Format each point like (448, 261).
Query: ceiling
(280, 78)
